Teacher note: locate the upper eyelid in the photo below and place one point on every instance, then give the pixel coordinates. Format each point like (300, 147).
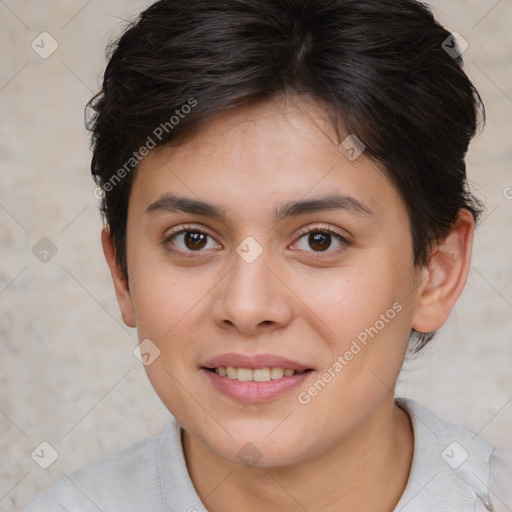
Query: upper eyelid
(342, 238)
(320, 228)
(303, 231)
(187, 229)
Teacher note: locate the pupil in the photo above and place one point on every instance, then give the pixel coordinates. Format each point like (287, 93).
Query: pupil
(195, 240)
(321, 239)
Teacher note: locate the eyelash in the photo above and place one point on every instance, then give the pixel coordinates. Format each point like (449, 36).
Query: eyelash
(314, 229)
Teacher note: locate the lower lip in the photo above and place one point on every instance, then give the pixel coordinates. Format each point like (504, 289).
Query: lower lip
(255, 392)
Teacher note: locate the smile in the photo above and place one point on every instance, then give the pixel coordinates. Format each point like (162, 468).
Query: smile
(256, 374)
(250, 390)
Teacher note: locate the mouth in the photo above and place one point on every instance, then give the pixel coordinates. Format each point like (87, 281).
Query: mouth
(254, 382)
(254, 379)
(256, 374)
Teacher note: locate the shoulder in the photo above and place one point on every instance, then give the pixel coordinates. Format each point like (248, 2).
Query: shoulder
(466, 471)
(500, 480)
(107, 482)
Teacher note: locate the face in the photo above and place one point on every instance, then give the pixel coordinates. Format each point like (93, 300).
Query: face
(268, 274)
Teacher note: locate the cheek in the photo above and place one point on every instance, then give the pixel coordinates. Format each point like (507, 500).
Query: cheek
(171, 310)
(366, 317)
(167, 310)
(161, 297)
(350, 299)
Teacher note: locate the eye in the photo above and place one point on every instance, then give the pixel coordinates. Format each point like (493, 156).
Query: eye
(190, 239)
(320, 239)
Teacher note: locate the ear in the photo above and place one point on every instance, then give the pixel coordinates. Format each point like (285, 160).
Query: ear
(120, 283)
(443, 279)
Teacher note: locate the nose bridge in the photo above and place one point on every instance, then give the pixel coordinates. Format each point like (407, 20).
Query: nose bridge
(250, 275)
(252, 294)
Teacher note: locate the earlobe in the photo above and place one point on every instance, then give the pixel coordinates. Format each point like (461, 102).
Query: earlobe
(120, 283)
(443, 280)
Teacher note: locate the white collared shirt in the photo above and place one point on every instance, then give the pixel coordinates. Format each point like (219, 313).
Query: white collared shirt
(453, 470)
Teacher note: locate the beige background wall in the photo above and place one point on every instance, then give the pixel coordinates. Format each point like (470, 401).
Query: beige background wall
(67, 372)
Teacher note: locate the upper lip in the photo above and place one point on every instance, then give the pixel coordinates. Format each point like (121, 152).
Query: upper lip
(255, 361)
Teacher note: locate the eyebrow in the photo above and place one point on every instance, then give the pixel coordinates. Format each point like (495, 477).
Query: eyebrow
(171, 203)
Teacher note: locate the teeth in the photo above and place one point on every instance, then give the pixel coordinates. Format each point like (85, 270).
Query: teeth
(261, 374)
(276, 373)
(257, 375)
(243, 374)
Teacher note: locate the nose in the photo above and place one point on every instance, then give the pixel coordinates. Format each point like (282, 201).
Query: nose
(254, 297)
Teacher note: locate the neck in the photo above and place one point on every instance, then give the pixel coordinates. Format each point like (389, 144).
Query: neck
(367, 470)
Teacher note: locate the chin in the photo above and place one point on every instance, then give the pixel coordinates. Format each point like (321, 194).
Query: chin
(260, 451)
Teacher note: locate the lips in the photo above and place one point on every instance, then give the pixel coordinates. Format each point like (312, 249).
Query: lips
(254, 362)
(255, 379)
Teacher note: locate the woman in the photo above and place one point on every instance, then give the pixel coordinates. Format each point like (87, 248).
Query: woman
(286, 211)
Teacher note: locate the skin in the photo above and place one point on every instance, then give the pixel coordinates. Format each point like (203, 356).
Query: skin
(350, 448)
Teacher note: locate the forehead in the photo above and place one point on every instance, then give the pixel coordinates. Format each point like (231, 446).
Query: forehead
(256, 158)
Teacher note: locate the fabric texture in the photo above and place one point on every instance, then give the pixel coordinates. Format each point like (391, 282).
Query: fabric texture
(453, 470)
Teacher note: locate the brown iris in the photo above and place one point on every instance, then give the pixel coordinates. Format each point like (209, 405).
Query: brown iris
(195, 240)
(321, 240)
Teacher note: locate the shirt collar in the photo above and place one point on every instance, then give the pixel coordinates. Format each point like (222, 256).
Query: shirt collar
(176, 485)
(449, 471)
(450, 466)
